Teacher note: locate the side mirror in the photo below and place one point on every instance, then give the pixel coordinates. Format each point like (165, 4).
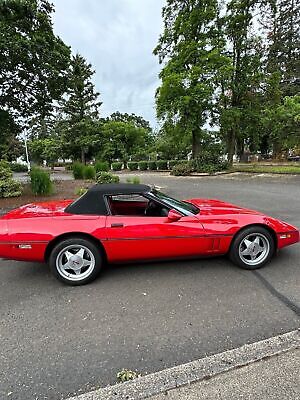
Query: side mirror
(174, 216)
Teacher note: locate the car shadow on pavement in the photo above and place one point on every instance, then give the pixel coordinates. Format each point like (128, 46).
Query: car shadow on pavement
(165, 267)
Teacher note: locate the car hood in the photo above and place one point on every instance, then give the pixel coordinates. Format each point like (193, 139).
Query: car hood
(45, 209)
(217, 207)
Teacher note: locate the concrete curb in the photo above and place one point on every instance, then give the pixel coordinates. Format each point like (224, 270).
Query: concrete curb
(198, 370)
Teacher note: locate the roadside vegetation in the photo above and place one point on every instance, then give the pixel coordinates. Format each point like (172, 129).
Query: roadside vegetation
(8, 186)
(227, 90)
(126, 375)
(40, 182)
(267, 169)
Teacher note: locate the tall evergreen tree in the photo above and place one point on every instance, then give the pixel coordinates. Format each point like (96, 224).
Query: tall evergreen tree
(281, 25)
(281, 22)
(80, 108)
(33, 67)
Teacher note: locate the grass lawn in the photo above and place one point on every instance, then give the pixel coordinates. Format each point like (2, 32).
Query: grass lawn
(267, 169)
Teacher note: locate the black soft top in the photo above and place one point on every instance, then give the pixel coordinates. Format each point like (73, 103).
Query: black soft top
(93, 201)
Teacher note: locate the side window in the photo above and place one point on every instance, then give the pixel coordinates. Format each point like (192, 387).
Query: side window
(129, 204)
(136, 205)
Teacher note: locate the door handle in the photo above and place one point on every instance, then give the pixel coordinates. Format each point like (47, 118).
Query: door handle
(117, 225)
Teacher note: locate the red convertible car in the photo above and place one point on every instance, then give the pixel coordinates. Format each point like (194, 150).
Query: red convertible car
(125, 222)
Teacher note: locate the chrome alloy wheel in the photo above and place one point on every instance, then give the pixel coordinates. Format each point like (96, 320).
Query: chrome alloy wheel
(75, 262)
(254, 249)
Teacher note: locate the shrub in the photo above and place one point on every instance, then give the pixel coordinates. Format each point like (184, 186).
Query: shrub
(143, 165)
(116, 166)
(172, 163)
(182, 169)
(132, 165)
(101, 166)
(8, 186)
(78, 170)
(40, 182)
(17, 167)
(152, 165)
(135, 180)
(89, 172)
(107, 177)
(209, 161)
(5, 171)
(162, 164)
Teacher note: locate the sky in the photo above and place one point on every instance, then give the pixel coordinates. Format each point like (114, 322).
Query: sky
(117, 37)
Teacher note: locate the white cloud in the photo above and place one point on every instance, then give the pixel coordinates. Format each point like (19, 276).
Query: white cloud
(117, 37)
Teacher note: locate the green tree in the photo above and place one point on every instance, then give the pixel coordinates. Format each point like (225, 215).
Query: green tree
(48, 149)
(80, 110)
(172, 142)
(33, 62)
(191, 48)
(281, 22)
(121, 140)
(283, 123)
(240, 102)
(10, 146)
(133, 119)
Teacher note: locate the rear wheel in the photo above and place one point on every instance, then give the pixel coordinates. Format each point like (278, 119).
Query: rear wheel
(252, 248)
(76, 261)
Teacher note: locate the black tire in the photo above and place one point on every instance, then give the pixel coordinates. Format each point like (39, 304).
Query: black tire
(238, 245)
(91, 253)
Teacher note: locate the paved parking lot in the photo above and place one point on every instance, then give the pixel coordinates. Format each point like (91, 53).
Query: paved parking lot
(58, 340)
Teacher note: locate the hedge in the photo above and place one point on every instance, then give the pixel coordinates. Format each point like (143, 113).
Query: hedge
(101, 166)
(152, 165)
(133, 165)
(116, 166)
(162, 164)
(17, 167)
(143, 165)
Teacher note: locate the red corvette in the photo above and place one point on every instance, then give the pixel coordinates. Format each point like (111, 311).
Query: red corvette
(125, 222)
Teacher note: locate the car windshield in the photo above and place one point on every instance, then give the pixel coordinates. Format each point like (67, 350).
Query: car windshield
(183, 207)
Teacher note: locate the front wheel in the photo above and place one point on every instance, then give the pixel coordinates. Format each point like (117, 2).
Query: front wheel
(252, 248)
(76, 261)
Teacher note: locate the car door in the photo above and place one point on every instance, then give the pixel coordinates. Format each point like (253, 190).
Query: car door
(132, 237)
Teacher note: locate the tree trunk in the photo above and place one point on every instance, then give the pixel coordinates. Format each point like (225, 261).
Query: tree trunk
(231, 147)
(240, 148)
(277, 150)
(82, 155)
(195, 144)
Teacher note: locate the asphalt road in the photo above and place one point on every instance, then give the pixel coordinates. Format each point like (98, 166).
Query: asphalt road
(57, 340)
